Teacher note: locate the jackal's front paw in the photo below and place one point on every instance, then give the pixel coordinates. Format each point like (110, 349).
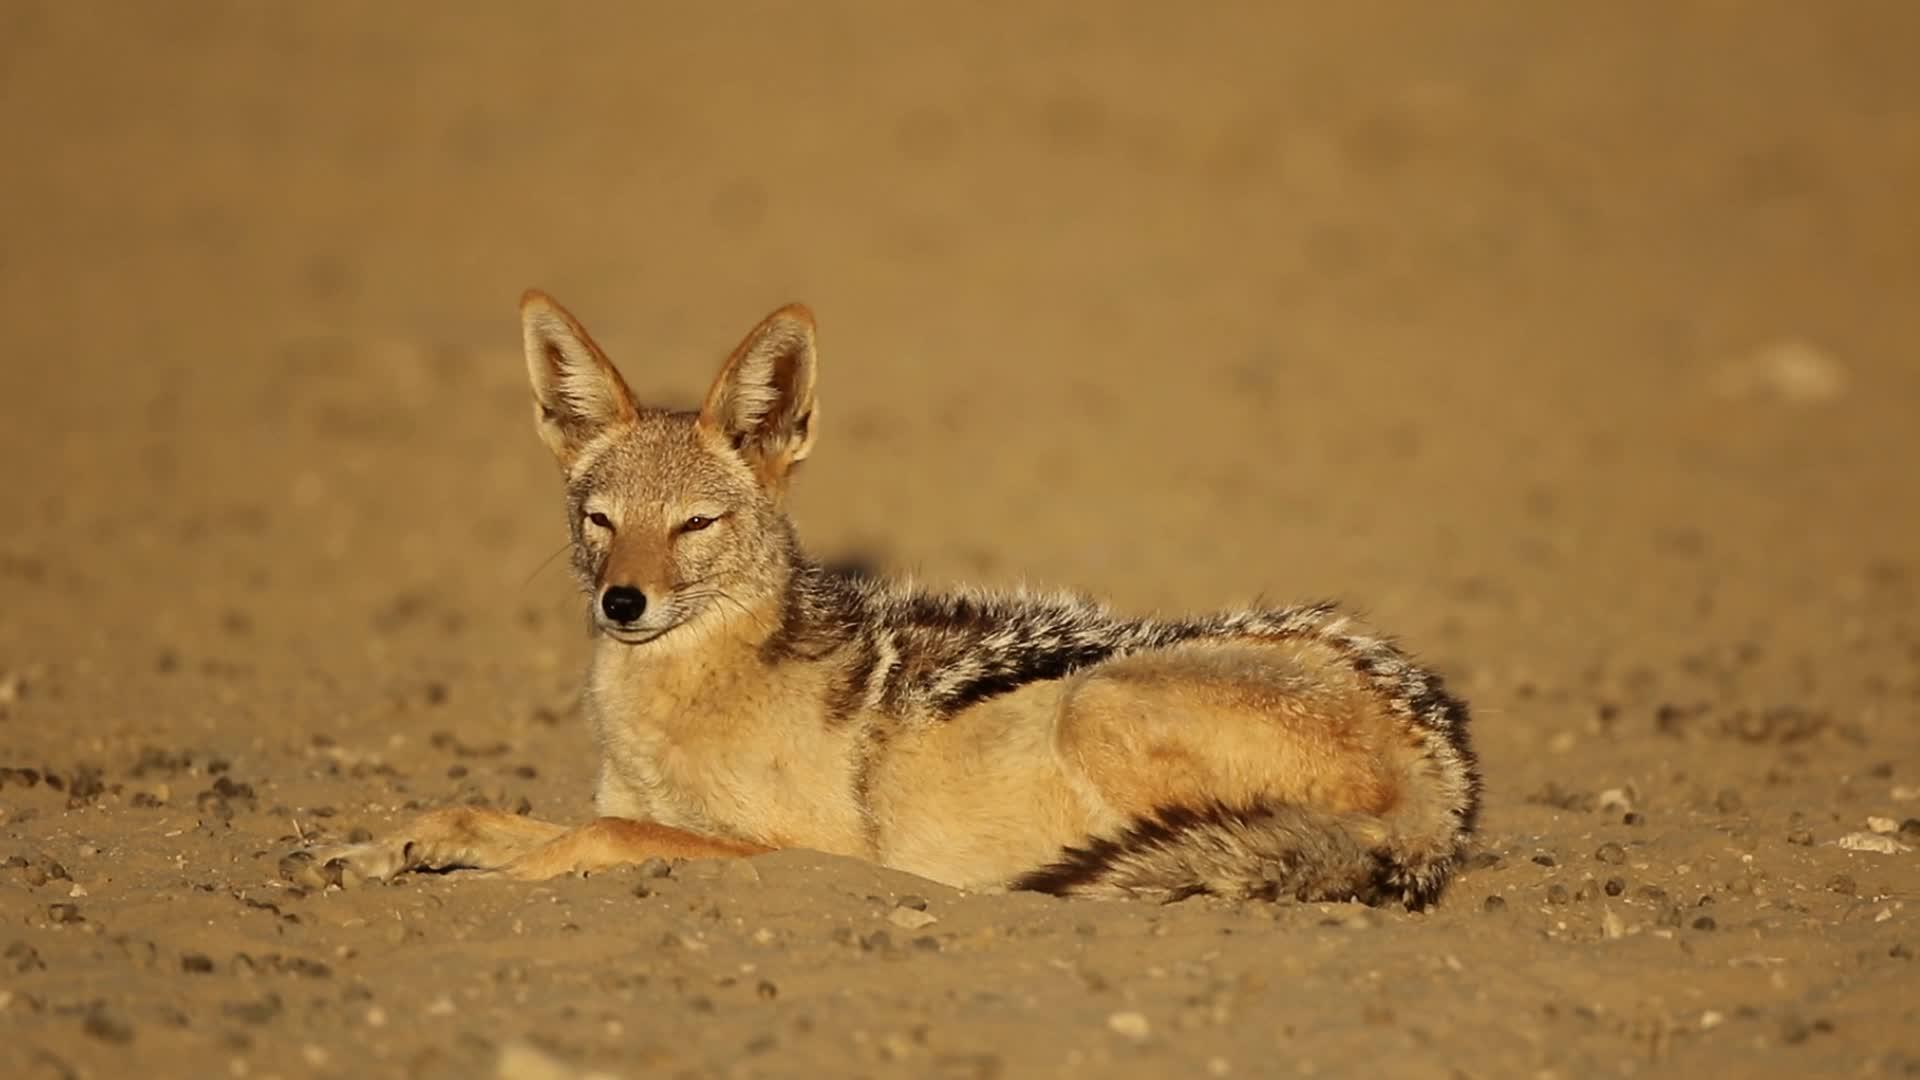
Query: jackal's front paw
(343, 865)
(375, 860)
(449, 839)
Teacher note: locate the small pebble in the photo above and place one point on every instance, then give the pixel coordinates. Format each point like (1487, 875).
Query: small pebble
(1611, 926)
(1802, 837)
(1557, 894)
(107, 1027)
(1794, 1031)
(1546, 860)
(1842, 884)
(907, 918)
(254, 1012)
(1494, 903)
(1874, 842)
(1131, 1025)
(1611, 854)
(740, 872)
(1704, 922)
(1615, 886)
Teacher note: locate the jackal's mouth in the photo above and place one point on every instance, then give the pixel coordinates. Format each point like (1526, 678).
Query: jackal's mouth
(634, 635)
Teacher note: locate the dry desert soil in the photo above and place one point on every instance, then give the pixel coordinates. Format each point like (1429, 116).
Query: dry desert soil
(1576, 345)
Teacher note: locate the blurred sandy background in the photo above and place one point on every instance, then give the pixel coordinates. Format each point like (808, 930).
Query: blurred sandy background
(1578, 345)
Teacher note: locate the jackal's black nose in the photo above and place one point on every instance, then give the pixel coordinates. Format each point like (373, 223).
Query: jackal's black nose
(623, 603)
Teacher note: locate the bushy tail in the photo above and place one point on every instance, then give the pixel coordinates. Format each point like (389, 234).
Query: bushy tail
(1268, 852)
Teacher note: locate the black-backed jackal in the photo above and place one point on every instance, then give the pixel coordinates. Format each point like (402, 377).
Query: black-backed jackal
(747, 699)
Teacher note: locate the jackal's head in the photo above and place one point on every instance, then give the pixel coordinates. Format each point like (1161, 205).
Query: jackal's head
(676, 516)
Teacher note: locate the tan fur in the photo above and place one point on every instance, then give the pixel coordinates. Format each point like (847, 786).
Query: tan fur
(748, 700)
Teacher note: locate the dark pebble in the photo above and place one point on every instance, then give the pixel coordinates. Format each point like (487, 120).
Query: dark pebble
(23, 777)
(1633, 817)
(456, 772)
(65, 913)
(1494, 903)
(1842, 884)
(917, 903)
(1910, 830)
(86, 784)
(1900, 952)
(196, 963)
(766, 990)
(878, 941)
(1704, 922)
(254, 1012)
(929, 943)
(1546, 860)
(1802, 837)
(23, 958)
(359, 834)
(655, 868)
(107, 1027)
(1557, 894)
(1615, 886)
(1611, 854)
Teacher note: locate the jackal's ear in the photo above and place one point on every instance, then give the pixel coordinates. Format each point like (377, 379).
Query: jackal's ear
(762, 402)
(577, 393)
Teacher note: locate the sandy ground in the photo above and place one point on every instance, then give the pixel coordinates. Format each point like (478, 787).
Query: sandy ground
(1577, 345)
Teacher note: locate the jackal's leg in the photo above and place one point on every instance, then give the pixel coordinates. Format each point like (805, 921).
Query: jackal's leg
(611, 841)
(446, 839)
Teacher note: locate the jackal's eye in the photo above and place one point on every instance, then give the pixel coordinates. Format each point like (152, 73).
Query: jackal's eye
(601, 520)
(696, 523)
